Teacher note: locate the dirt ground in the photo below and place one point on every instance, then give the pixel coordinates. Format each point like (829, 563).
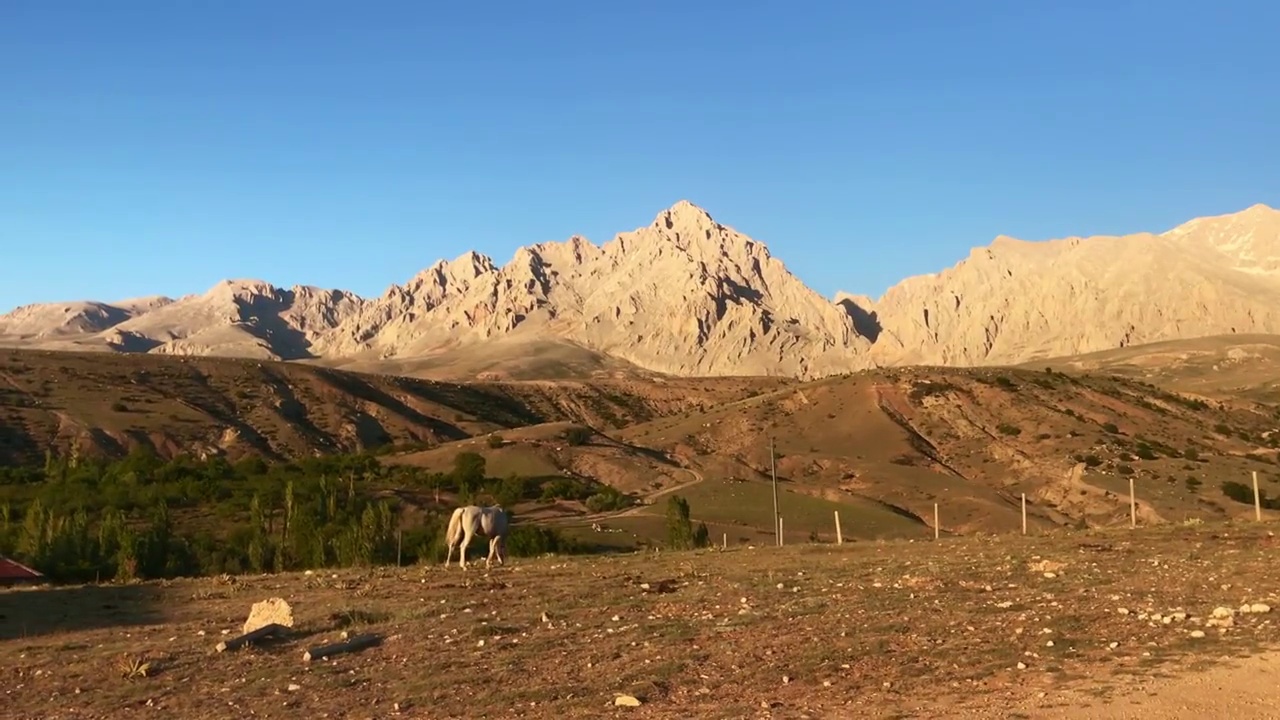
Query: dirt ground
(1239, 688)
(1064, 626)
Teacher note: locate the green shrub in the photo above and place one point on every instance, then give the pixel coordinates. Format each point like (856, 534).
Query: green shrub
(606, 500)
(577, 435)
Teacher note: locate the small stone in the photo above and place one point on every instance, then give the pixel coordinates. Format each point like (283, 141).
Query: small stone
(294, 687)
(1260, 608)
(1123, 611)
(1114, 645)
(1197, 633)
(1222, 612)
(786, 679)
(626, 701)
(1022, 666)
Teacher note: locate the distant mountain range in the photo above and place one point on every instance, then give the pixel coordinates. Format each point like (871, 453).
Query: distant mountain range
(689, 296)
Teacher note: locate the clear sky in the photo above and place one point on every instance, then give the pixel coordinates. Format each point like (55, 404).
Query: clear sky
(157, 147)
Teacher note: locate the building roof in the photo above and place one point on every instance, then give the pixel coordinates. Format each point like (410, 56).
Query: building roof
(13, 570)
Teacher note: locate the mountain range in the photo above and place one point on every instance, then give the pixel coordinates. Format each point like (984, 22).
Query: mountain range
(689, 296)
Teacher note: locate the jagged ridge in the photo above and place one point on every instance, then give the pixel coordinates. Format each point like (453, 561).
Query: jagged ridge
(687, 295)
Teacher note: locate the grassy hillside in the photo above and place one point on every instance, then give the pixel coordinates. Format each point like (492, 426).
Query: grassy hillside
(98, 404)
(1221, 366)
(973, 441)
(881, 447)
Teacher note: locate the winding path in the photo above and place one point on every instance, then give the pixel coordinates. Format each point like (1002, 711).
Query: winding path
(646, 503)
(648, 499)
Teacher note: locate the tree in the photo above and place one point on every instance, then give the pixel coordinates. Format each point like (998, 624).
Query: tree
(469, 466)
(679, 528)
(510, 491)
(468, 471)
(257, 537)
(577, 435)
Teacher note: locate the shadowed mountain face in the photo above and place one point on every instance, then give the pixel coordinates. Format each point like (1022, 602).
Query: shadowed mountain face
(689, 296)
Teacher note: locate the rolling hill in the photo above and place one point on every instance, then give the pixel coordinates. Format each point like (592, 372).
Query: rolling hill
(881, 446)
(1219, 366)
(96, 404)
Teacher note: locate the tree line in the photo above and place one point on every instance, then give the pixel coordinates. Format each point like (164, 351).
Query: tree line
(142, 517)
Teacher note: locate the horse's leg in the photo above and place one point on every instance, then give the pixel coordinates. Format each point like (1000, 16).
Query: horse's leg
(466, 540)
(493, 550)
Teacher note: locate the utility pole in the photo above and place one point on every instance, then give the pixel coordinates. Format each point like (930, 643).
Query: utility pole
(777, 519)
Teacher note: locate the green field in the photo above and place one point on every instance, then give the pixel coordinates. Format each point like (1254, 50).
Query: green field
(750, 504)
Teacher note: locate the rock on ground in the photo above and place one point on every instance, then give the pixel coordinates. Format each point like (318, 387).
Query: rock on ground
(274, 610)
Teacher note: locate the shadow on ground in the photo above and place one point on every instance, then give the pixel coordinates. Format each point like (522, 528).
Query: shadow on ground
(32, 612)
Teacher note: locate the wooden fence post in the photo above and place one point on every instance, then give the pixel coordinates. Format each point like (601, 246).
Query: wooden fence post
(839, 537)
(1024, 513)
(937, 530)
(1133, 505)
(780, 541)
(1257, 499)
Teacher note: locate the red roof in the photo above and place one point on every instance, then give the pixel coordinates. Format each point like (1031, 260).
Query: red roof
(13, 570)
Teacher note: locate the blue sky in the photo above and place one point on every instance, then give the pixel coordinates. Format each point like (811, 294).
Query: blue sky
(157, 147)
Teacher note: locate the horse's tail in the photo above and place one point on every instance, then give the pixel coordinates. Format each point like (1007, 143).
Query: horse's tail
(454, 531)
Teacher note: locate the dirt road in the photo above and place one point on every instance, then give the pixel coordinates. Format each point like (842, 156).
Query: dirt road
(651, 497)
(1242, 689)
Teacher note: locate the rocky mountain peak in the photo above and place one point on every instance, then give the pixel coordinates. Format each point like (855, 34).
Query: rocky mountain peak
(688, 295)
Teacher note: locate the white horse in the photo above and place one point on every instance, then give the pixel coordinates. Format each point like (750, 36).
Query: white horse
(467, 521)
